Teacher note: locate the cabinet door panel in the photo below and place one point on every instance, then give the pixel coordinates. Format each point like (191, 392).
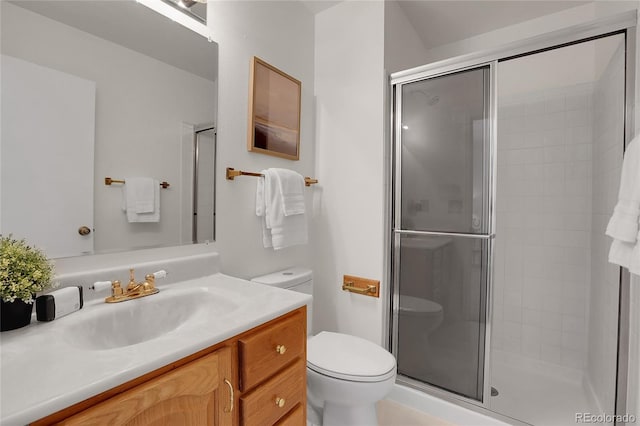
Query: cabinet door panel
(194, 394)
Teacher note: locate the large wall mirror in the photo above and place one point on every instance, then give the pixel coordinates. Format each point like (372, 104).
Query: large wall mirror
(96, 89)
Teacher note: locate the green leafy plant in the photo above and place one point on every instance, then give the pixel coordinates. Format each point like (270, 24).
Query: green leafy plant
(24, 270)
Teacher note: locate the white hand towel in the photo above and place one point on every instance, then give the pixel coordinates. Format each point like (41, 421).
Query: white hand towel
(288, 223)
(278, 229)
(291, 186)
(139, 194)
(292, 232)
(624, 225)
(141, 199)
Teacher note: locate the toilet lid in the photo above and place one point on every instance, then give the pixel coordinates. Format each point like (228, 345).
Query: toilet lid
(349, 358)
(417, 305)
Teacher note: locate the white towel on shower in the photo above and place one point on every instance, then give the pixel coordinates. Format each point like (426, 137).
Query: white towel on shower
(141, 199)
(624, 225)
(280, 230)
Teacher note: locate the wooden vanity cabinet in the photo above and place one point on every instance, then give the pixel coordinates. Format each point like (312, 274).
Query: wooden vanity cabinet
(255, 378)
(193, 394)
(273, 371)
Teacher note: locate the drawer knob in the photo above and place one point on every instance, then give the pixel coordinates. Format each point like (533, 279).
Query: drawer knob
(280, 402)
(281, 349)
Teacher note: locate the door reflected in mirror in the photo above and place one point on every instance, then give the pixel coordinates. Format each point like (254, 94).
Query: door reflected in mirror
(96, 89)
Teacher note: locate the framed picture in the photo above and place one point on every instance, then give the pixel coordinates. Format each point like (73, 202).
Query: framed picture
(274, 111)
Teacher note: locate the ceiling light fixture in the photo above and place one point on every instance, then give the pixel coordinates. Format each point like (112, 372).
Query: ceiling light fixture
(190, 3)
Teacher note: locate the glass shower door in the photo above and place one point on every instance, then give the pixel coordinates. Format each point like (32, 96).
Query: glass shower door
(442, 230)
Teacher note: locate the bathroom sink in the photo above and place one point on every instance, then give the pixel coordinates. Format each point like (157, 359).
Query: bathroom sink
(116, 325)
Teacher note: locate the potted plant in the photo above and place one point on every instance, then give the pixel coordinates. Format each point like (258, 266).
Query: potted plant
(24, 270)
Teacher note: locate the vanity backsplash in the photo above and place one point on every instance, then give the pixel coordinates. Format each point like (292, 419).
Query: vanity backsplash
(181, 263)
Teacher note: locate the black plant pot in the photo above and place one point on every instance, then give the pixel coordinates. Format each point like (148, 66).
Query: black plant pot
(14, 314)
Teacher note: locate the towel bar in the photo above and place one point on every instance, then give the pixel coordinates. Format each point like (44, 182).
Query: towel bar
(233, 173)
(109, 181)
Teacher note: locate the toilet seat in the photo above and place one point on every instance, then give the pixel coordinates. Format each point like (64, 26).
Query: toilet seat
(347, 357)
(410, 305)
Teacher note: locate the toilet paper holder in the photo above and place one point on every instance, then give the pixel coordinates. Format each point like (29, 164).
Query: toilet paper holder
(364, 286)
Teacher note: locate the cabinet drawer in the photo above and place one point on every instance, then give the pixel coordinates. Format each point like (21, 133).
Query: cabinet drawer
(294, 418)
(259, 354)
(262, 406)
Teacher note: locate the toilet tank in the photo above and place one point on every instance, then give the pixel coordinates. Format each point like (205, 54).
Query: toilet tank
(295, 279)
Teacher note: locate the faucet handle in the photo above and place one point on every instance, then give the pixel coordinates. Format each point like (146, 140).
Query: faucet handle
(116, 290)
(159, 274)
(100, 286)
(150, 279)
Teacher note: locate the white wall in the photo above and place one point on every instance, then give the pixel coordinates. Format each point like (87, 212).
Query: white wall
(534, 27)
(134, 137)
(349, 227)
(554, 69)
(403, 48)
(280, 33)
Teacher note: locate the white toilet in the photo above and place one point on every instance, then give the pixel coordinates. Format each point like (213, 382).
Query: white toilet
(346, 375)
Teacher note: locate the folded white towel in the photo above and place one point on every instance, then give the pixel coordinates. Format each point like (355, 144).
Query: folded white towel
(292, 232)
(291, 185)
(624, 225)
(141, 199)
(279, 230)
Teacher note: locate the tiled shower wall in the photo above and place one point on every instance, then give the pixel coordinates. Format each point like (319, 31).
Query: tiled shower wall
(544, 190)
(608, 119)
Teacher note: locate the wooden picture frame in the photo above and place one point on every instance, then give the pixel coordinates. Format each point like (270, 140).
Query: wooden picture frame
(274, 111)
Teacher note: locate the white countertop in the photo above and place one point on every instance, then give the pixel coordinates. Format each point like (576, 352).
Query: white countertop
(42, 372)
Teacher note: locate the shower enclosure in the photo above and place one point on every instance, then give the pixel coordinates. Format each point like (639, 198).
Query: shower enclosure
(505, 170)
